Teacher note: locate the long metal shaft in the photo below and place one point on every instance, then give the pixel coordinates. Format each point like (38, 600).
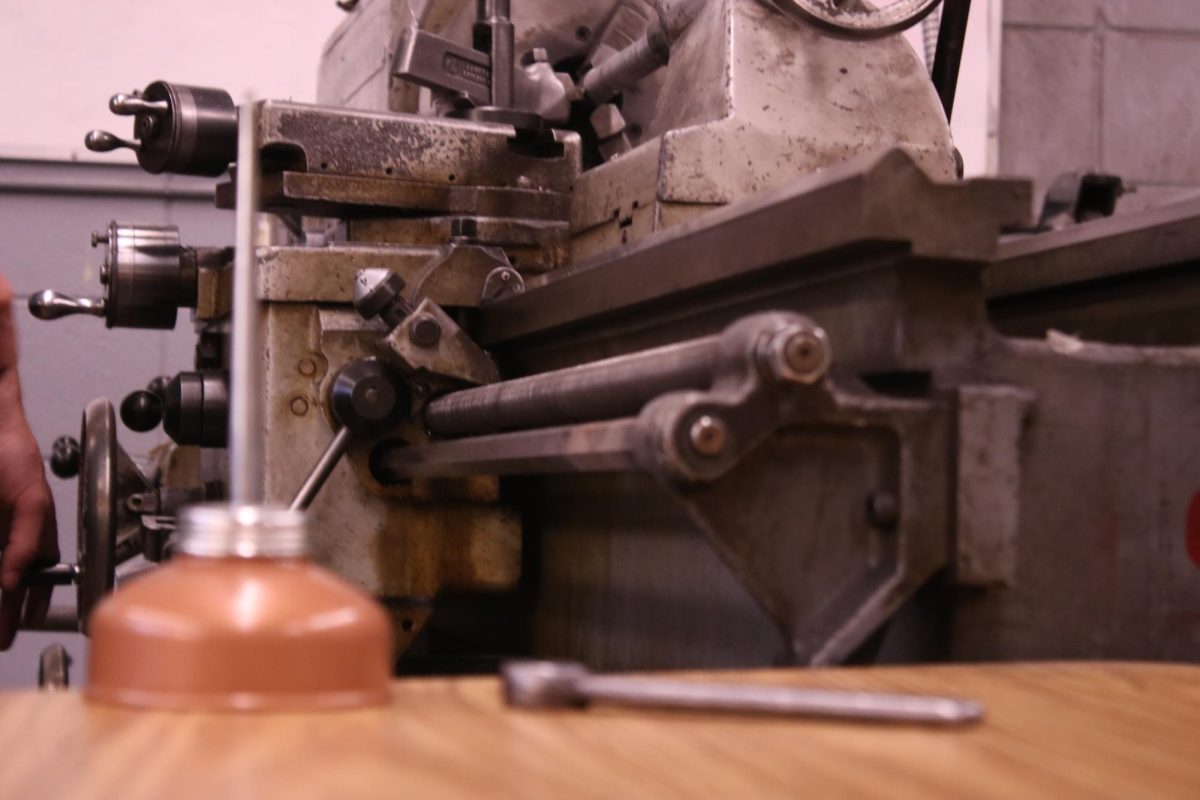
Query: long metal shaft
(947, 59)
(321, 472)
(496, 16)
(608, 389)
(777, 700)
(245, 404)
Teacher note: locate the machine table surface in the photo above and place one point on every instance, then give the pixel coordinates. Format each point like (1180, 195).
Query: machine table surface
(1052, 730)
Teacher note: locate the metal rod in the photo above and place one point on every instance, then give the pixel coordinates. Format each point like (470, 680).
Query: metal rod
(566, 684)
(57, 575)
(503, 51)
(245, 374)
(615, 387)
(627, 67)
(587, 447)
(323, 469)
(777, 700)
(948, 58)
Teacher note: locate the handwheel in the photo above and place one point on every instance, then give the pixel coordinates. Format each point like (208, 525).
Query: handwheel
(97, 520)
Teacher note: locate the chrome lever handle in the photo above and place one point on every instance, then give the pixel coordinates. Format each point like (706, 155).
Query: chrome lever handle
(49, 304)
(127, 105)
(103, 142)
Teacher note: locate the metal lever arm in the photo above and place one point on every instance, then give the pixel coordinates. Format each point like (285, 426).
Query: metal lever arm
(365, 398)
(49, 304)
(323, 469)
(103, 142)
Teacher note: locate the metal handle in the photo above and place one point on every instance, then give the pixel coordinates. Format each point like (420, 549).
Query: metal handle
(57, 575)
(103, 142)
(127, 105)
(778, 700)
(565, 684)
(49, 304)
(323, 469)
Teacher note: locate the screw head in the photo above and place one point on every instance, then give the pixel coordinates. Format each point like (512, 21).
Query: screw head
(797, 354)
(299, 406)
(708, 435)
(307, 367)
(425, 331)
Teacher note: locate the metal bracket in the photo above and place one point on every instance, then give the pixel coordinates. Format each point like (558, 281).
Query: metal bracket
(785, 471)
(428, 340)
(436, 63)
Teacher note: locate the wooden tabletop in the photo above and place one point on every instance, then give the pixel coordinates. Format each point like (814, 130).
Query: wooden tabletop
(1052, 730)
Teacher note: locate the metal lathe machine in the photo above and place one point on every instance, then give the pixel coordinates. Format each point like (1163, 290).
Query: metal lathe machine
(664, 333)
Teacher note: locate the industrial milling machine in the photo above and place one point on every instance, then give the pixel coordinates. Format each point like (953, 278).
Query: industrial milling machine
(663, 333)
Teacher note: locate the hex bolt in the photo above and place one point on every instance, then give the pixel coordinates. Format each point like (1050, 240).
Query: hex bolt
(797, 354)
(425, 331)
(883, 509)
(708, 435)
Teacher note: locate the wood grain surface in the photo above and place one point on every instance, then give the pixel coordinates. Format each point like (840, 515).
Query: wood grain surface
(1052, 730)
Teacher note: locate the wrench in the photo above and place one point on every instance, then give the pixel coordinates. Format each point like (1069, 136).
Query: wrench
(559, 684)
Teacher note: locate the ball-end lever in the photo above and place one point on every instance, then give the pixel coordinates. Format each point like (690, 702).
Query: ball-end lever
(104, 142)
(126, 105)
(49, 304)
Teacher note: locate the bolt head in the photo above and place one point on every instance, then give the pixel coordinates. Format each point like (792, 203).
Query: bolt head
(425, 331)
(299, 406)
(708, 435)
(797, 354)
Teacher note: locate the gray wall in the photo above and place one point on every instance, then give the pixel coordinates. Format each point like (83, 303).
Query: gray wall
(1108, 85)
(47, 211)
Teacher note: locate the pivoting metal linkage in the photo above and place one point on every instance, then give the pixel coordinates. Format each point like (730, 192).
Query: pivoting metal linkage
(365, 397)
(558, 684)
(684, 412)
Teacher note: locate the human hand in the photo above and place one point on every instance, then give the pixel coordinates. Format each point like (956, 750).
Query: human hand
(28, 530)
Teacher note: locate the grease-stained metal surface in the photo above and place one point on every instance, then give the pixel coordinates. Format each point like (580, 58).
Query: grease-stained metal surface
(403, 543)
(345, 196)
(450, 275)
(413, 148)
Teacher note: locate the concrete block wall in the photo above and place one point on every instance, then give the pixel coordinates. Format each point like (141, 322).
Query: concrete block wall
(47, 211)
(1105, 85)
